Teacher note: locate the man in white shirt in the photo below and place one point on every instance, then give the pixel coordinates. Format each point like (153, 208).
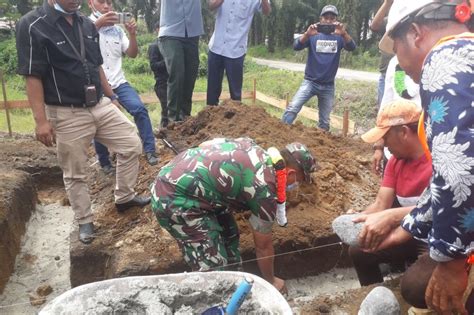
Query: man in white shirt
(228, 44)
(114, 43)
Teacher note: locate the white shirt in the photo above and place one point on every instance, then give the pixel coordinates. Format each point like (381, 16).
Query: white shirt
(233, 21)
(113, 44)
(390, 94)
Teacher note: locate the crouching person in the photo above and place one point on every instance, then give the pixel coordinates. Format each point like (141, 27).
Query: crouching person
(195, 194)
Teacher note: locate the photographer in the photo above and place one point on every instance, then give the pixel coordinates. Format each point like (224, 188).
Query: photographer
(325, 41)
(113, 44)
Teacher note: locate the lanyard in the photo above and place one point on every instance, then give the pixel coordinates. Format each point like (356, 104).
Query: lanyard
(81, 56)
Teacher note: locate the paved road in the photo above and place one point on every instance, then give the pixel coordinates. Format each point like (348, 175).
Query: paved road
(341, 73)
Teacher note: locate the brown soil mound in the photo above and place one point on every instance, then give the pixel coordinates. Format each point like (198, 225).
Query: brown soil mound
(133, 243)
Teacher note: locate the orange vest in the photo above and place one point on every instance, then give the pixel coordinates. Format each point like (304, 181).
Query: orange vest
(421, 124)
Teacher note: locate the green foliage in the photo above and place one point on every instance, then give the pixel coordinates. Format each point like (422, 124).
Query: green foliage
(8, 56)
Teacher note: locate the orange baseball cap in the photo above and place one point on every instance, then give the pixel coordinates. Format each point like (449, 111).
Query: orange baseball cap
(396, 113)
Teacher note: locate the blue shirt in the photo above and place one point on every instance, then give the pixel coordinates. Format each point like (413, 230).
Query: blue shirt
(180, 18)
(233, 20)
(323, 56)
(444, 215)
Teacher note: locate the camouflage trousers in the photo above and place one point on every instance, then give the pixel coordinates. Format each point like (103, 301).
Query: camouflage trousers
(208, 240)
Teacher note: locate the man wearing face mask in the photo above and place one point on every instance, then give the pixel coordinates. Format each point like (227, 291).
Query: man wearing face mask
(114, 43)
(59, 55)
(195, 194)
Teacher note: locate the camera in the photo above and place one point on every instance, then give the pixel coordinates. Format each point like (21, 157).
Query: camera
(90, 95)
(124, 17)
(326, 28)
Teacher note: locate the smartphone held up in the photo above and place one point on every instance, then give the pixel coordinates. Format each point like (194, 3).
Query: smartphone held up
(326, 28)
(124, 17)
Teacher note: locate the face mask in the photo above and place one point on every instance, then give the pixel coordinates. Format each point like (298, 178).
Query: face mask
(292, 186)
(57, 7)
(96, 12)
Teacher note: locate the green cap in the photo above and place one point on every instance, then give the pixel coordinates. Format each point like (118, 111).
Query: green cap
(304, 158)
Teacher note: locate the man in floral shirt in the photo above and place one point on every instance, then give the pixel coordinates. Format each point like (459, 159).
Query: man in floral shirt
(194, 194)
(434, 46)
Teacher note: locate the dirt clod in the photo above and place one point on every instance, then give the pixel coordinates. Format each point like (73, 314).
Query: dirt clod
(44, 290)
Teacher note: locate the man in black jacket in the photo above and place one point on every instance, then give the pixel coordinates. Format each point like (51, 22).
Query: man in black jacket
(158, 66)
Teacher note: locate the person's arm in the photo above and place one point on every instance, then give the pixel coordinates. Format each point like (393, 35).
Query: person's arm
(106, 87)
(132, 50)
(302, 41)
(377, 24)
(214, 4)
(265, 252)
(266, 7)
(377, 157)
(384, 200)
(378, 225)
(44, 131)
(107, 19)
(157, 62)
(446, 287)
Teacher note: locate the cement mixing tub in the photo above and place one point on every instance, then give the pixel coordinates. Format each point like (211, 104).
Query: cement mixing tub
(183, 293)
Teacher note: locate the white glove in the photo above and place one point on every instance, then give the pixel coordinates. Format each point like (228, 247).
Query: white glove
(281, 214)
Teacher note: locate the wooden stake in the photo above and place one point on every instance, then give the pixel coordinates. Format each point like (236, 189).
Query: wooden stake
(287, 99)
(254, 91)
(5, 103)
(345, 123)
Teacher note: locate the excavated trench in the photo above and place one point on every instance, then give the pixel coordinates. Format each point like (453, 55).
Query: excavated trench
(133, 243)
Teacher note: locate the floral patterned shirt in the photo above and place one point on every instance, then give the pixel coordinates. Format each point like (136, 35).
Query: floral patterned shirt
(444, 215)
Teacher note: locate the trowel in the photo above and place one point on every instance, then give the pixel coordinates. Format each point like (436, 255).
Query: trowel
(235, 302)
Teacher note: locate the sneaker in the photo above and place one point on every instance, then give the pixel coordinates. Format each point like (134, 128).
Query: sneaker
(420, 311)
(108, 169)
(151, 158)
(86, 233)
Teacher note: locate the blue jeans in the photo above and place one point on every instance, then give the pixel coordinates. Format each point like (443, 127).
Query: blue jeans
(380, 88)
(308, 89)
(234, 69)
(132, 103)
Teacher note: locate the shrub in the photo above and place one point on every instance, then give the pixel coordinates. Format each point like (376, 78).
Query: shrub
(8, 56)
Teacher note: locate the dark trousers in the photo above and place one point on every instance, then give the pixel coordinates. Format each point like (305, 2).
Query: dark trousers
(102, 154)
(367, 264)
(181, 57)
(161, 90)
(234, 69)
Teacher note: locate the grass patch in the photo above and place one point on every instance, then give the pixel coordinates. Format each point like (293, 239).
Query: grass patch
(358, 97)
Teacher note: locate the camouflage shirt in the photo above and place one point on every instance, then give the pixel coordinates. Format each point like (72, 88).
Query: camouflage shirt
(234, 173)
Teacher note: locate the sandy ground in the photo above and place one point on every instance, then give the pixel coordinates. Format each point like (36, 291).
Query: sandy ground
(43, 260)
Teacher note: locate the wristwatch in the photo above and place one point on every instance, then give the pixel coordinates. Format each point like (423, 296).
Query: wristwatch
(376, 147)
(113, 97)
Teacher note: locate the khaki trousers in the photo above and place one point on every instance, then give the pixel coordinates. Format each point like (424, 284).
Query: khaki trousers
(75, 128)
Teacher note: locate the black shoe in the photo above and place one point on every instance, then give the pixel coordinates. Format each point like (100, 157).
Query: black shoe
(86, 233)
(108, 169)
(137, 201)
(151, 158)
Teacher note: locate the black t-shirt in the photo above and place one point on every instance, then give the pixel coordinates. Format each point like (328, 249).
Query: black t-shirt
(43, 51)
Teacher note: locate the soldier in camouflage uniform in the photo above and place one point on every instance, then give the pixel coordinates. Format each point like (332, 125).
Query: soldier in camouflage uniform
(193, 196)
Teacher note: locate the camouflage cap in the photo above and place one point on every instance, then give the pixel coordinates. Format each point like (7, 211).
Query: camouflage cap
(304, 158)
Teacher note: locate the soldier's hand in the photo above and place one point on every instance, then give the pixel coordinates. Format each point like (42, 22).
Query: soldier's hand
(45, 134)
(280, 285)
(107, 19)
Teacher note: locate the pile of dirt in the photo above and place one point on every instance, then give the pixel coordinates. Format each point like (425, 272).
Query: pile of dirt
(133, 243)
